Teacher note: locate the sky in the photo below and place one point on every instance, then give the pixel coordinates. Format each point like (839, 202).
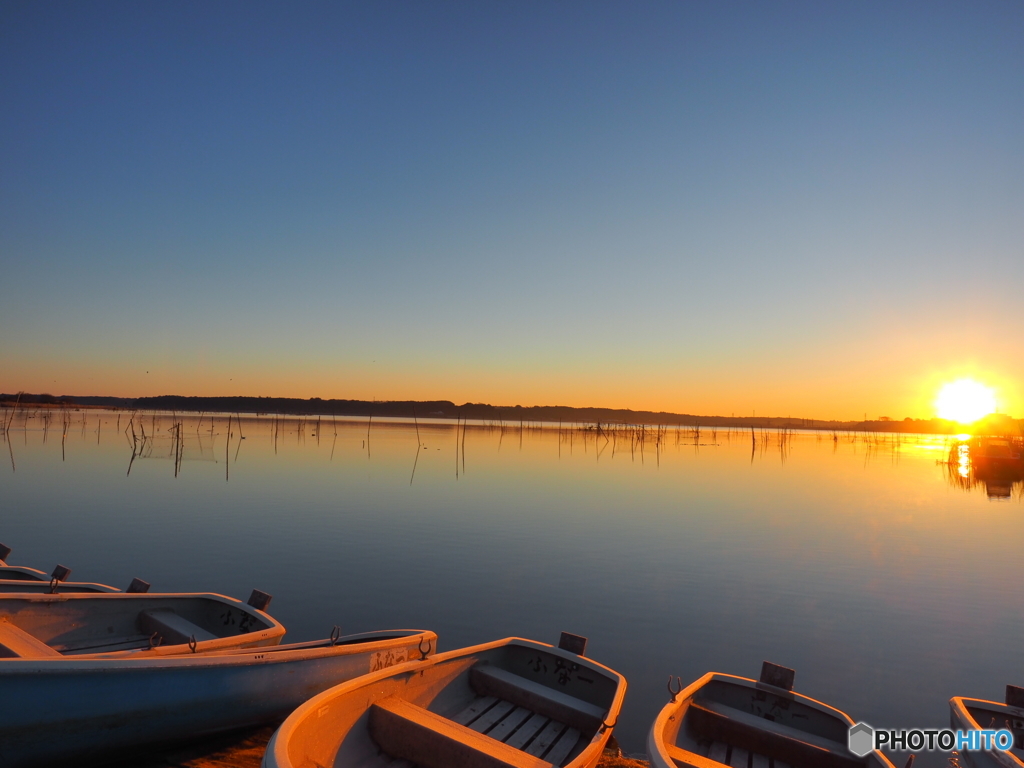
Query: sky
(807, 209)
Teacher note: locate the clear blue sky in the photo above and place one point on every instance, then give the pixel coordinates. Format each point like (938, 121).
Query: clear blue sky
(805, 208)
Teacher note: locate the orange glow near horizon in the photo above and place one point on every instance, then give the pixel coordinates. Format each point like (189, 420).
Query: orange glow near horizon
(965, 401)
(722, 389)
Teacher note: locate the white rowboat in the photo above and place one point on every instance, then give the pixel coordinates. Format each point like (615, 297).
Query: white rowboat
(724, 720)
(511, 704)
(979, 714)
(21, 573)
(19, 578)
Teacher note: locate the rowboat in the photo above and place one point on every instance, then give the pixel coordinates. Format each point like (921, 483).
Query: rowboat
(18, 578)
(79, 710)
(56, 585)
(44, 587)
(122, 624)
(724, 720)
(979, 714)
(11, 573)
(512, 703)
(21, 573)
(18, 571)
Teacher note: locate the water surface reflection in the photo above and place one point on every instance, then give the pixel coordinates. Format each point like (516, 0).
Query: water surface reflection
(853, 559)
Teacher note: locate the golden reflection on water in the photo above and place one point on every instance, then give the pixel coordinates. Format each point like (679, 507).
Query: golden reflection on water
(964, 460)
(994, 465)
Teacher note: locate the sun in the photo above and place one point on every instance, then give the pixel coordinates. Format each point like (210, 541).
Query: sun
(965, 400)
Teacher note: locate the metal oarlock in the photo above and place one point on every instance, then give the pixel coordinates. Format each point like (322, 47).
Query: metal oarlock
(677, 690)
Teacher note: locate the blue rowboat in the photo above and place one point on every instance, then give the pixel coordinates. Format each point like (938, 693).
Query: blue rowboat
(77, 710)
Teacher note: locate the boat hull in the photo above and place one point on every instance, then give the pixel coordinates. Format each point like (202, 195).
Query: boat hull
(56, 711)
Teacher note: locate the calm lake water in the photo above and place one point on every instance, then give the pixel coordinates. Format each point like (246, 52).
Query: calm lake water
(887, 578)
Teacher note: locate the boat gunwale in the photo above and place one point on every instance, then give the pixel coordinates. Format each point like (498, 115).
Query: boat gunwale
(961, 703)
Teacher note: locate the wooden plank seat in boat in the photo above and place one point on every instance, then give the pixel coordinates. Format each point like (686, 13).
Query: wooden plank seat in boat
(783, 745)
(409, 732)
(172, 627)
(17, 643)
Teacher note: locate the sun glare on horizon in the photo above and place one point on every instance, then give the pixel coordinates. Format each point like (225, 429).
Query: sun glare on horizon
(965, 401)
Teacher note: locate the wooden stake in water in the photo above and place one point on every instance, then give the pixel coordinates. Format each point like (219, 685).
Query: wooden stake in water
(227, 445)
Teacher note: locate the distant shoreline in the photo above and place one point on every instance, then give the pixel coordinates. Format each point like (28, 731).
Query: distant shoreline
(445, 409)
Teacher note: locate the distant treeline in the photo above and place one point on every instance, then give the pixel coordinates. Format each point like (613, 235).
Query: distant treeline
(438, 409)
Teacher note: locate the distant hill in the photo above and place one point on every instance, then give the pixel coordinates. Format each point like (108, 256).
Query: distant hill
(27, 399)
(445, 409)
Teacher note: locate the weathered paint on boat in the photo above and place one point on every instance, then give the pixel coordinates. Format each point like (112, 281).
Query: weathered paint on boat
(978, 714)
(121, 624)
(77, 710)
(723, 720)
(513, 701)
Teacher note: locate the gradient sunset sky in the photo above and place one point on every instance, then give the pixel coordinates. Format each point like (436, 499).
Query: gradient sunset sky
(806, 209)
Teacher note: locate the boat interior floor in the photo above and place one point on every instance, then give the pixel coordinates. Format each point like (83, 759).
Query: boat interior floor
(529, 739)
(739, 739)
(737, 757)
(530, 726)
